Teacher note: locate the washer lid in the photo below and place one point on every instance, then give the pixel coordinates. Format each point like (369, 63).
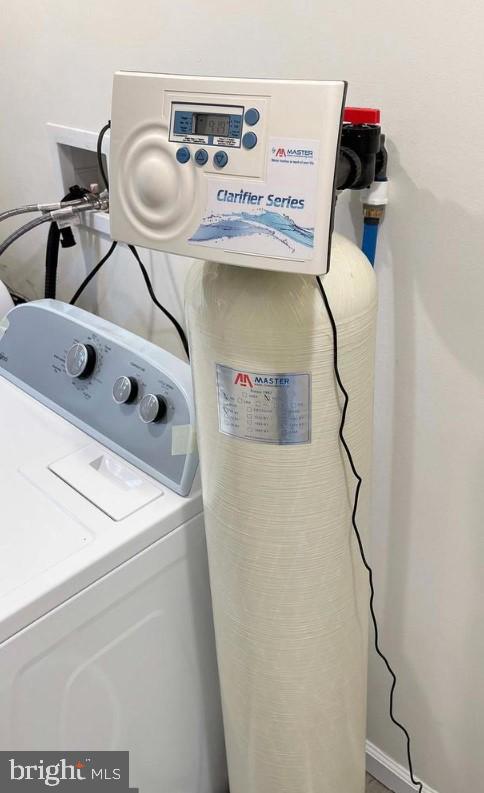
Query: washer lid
(71, 510)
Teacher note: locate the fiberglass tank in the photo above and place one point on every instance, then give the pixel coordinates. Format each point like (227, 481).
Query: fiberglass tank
(290, 594)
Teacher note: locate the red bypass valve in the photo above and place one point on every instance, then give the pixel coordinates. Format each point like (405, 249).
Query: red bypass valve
(361, 115)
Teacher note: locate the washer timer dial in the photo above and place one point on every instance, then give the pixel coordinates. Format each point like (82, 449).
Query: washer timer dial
(80, 360)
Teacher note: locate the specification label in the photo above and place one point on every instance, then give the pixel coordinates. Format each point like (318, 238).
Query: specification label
(264, 407)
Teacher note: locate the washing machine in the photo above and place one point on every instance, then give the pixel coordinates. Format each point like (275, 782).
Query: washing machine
(106, 635)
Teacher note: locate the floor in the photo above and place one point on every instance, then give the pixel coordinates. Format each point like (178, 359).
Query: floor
(372, 786)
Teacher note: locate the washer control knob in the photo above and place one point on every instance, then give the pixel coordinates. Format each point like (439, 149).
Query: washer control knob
(125, 390)
(152, 408)
(80, 360)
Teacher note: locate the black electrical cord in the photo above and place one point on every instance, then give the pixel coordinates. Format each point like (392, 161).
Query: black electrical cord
(165, 311)
(91, 275)
(149, 286)
(359, 482)
(144, 272)
(99, 146)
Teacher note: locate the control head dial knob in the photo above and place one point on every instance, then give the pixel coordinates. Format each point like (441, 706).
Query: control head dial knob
(125, 390)
(80, 360)
(152, 408)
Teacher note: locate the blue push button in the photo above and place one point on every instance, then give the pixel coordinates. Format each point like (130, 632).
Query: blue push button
(252, 116)
(249, 140)
(183, 154)
(220, 159)
(201, 156)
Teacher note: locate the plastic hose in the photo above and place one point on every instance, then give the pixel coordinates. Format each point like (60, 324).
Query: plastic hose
(56, 237)
(51, 260)
(370, 237)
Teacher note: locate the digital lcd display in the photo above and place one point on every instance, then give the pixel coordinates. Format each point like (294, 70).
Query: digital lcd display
(211, 124)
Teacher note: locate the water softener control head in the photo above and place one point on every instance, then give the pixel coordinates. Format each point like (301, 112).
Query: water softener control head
(231, 170)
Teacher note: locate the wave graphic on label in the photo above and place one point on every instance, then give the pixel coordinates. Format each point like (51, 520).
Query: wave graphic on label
(244, 224)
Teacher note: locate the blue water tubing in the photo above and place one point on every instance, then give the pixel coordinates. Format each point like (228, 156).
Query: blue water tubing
(370, 237)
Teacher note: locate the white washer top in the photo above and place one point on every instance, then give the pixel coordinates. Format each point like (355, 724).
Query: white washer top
(53, 540)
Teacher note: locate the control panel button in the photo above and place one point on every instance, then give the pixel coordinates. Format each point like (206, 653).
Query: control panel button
(249, 140)
(152, 408)
(201, 157)
(252, 116)
(80, 360)
(125, 390)
(183, 154)
(220, 159)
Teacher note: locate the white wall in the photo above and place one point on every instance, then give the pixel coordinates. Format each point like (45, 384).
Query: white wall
(422, 64)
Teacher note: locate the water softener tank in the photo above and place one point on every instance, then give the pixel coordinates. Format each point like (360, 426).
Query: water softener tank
(290, 594)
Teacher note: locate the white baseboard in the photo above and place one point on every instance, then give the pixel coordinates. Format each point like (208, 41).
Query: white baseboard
(390, 773)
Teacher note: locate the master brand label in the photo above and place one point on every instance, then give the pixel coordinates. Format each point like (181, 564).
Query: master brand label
(269, 407)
